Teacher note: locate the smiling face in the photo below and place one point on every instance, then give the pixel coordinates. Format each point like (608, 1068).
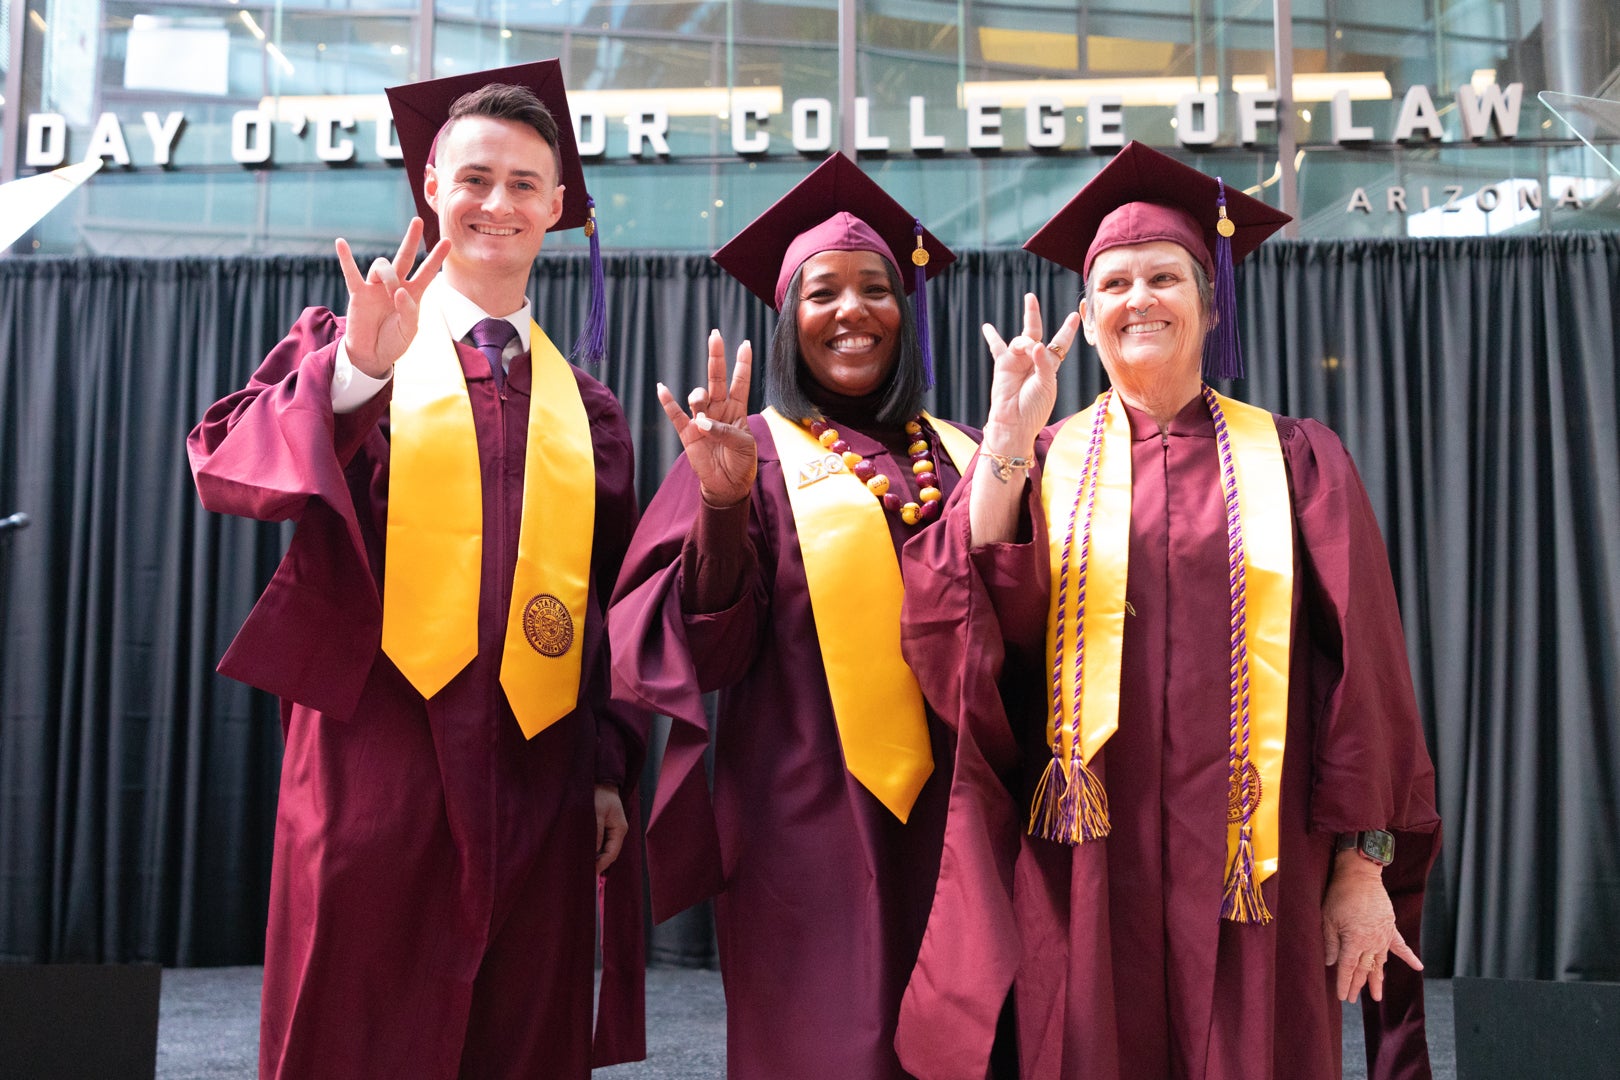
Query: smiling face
(1164, 344)
(495, 189)
(849, 319)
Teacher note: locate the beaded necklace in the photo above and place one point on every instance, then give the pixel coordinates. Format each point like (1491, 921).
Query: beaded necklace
(926, 508)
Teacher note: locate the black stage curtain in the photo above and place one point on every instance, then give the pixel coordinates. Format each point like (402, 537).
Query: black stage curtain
(1474, 380)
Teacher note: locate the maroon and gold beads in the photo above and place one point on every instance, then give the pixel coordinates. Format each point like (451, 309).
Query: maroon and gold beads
(926, 508)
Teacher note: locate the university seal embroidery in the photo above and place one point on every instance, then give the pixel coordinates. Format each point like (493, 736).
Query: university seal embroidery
(1234, 797)
(547, 625)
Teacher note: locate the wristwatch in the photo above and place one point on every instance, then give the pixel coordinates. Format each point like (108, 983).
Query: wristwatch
(1374, 845)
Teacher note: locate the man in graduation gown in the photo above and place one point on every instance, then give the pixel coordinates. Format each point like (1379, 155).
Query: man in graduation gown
(451, 786)
(1152, 926)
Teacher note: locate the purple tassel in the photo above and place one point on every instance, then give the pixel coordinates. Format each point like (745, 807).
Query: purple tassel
(1223, 355)
(591, 346)
(1088, 812)
(1047, 806)
(919, 303)
(1242, 901)
(1070, 805)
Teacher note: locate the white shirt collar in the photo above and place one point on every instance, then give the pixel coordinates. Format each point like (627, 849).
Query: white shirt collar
(461, 315)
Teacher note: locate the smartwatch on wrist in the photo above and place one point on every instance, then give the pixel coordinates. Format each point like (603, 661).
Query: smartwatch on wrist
(1374, 845)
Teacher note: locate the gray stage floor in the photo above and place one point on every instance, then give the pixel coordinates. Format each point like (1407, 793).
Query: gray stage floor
(208, 1027)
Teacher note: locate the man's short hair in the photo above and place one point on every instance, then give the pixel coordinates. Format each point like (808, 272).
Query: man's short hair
(504, 101)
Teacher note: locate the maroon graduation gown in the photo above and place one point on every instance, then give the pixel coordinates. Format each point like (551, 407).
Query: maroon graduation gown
(432, 901)
(1120, 965)
(822, 892)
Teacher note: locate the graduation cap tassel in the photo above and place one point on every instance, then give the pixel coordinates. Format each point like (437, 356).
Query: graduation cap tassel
(919, 303)
(1223, 354)
(591, 346)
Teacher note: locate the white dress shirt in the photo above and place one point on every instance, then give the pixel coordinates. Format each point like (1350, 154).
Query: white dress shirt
(352, 388)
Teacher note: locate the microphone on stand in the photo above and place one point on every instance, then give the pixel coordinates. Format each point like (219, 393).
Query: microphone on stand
(19, 520)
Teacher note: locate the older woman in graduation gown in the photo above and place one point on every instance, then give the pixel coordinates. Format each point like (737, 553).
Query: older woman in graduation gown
(1166, 630)
(767, 568)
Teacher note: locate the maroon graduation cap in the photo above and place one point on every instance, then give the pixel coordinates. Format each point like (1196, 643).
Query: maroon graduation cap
(1142, 196)
(836, 208)
(420, 111)
(759, 255)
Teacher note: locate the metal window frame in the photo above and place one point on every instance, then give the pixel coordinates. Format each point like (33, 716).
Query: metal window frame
(846, 44)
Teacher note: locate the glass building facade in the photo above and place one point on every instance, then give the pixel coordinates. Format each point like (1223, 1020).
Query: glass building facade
(242, 126)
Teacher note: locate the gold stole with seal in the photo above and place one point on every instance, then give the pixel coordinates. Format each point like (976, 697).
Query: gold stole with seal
(434, 553)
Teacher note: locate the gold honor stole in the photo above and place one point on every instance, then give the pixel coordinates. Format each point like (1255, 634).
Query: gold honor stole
(855, 595)
(435, 541)
(1093, 628)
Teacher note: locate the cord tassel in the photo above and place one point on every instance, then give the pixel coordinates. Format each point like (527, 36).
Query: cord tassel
(1070, 805)
(1051, 794)
(1242, 902)
(1087, 813)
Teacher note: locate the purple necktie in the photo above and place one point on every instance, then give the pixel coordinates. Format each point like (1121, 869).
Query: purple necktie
(491, 336)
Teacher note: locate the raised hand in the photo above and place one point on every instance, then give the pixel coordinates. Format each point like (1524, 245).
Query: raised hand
(719, 446)
(1022, 393)
(383, 302)
(1024, 386)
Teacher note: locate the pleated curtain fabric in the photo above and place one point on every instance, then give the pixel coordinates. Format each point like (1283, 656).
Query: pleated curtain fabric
(1474, 380)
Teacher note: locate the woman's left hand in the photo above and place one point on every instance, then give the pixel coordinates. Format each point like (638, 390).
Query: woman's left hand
(1023, 387)
(1022, 393)
(1358, 927)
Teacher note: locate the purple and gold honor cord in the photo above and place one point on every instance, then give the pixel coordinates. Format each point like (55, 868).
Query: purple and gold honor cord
(1241, 901)
(1070, 804)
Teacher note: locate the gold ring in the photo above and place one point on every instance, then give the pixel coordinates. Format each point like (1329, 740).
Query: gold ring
(1059, 351)
(1369, 961)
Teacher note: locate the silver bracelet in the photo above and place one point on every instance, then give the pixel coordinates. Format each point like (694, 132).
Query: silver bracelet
(1001, 466)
